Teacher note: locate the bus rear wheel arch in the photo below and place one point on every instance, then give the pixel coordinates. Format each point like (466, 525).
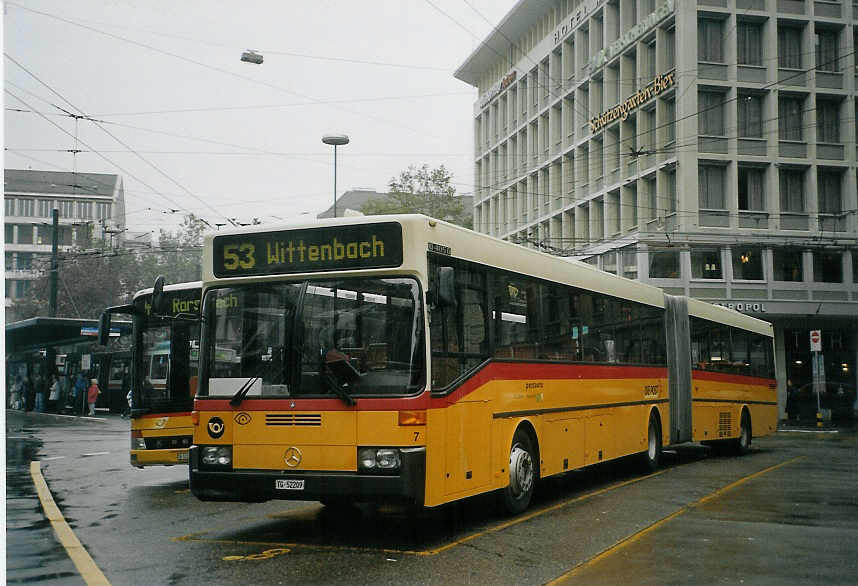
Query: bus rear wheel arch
(523, 472)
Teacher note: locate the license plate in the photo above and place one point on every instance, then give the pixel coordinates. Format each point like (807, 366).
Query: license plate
(289, 484)
(182, 457)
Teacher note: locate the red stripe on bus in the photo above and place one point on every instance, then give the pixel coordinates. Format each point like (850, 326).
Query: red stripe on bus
(491, 372)
(728, 377)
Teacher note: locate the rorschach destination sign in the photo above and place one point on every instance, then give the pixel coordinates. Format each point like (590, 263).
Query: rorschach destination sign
(308, 250)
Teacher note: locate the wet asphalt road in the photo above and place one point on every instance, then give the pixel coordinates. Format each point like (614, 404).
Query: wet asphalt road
(33, 553)
(789, 514)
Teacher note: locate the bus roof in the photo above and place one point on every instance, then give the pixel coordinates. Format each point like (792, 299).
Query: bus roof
(469, 245)
(173, 287)
(730, 317)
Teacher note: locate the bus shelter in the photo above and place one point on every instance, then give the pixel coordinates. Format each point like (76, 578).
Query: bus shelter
(38, 347)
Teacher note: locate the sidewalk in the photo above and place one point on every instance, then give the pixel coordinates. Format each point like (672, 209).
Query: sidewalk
(15, 418)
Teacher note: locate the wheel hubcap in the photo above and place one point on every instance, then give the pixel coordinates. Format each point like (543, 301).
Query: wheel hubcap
(652, 444)
(520, 470)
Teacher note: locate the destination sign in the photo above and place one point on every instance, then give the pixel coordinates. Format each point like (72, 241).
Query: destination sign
(329, 248)
(179, 301)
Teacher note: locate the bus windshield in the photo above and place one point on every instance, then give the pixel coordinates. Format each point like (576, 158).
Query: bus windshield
(342, 338)
(167, 362)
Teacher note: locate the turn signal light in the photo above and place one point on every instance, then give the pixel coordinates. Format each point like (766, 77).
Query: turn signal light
(412, 418)
(195, 418)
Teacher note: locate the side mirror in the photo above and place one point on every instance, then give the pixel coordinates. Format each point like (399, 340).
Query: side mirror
(104, 328)
(158, 300)
(446, 287)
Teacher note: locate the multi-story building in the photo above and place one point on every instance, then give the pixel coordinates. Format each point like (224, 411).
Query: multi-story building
(707, 147)
(91, 206)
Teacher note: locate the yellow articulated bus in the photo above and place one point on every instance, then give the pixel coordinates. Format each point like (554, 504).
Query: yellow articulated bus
(401, 358)
(164, 365)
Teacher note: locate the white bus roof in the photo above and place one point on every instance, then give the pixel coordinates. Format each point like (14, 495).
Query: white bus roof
(172, 287)
(419, 231)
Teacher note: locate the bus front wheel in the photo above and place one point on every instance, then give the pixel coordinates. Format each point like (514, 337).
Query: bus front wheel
(522, 474)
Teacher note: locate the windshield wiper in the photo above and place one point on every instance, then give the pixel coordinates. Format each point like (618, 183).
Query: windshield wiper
(338, 389)
(239, 396)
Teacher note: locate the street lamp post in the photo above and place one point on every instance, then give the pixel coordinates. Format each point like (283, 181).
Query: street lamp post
(335, 140)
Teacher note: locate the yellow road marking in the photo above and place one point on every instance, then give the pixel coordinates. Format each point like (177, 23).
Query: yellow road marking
(90, 572)
(538, 513)
(428, 552)
(624, 542)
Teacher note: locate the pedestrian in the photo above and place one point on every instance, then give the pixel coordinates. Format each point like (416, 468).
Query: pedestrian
(54, 396)
(126, 392)
(92, 396)
(27, 394)
(79, 393)
(39, 387)
(15, 401)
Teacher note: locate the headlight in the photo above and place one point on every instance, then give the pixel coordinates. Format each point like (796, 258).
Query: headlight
(138, 443)
(216, 455)
(382, 459)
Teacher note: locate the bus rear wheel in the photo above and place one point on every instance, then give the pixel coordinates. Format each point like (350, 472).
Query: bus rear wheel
(742, 444)
(522, 474)
(651, 458)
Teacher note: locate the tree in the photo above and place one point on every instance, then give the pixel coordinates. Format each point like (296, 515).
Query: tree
(97, 276)
(420, 190)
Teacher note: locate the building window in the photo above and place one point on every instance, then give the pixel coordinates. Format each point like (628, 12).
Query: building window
(855, 265)
(828, 188)
(10, 261)
(670, 191)
(609, 262)
(706, 263)
(45, 208)
(44, 234)
(751, 189)
(670, 49)
(710, 116)
(25, 260)
(709, 40)
(9, 206)
(788, 264)
(789, 118)
(630, 263)
(25, 234)
(747, 263)
(827, 267)
(789, 47)
(827, 50)
(670, 120)
(21, 289)
(827, 120)
(711, 187)
(749, 37)
(750, 116)
(9, 233)
(791, 184)
(663, 263)
(66, 208)
(26, 207)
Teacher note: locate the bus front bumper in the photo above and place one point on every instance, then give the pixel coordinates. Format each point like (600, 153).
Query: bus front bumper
(261, 485)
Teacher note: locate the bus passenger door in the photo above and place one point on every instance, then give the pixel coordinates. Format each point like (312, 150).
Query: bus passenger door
(468, 446)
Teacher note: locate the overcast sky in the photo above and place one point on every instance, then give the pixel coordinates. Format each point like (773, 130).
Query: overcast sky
(225, 139)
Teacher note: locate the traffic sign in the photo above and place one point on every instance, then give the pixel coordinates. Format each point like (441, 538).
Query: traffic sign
(816, 340)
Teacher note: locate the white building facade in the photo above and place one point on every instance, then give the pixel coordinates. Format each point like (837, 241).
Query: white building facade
(708, 148)
(91, 206)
